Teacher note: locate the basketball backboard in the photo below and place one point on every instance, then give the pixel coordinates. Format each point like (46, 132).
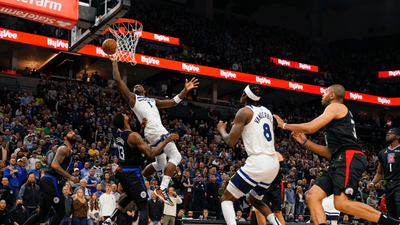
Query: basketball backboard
(81, 35)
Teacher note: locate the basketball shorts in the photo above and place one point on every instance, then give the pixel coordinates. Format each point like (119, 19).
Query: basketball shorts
(51, 191)
(329, 207)
(132, 183)
(392, 191)
(274, 196)
(156, 137)
(255, 176)
(343, 174)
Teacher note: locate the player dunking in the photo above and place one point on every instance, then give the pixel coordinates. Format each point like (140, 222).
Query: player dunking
(130, 149)
(389, 168)
(154, 132)
(51, 183)
(341, 179)
(255, 124)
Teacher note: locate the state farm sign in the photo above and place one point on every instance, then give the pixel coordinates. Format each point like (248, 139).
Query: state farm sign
(59, 13)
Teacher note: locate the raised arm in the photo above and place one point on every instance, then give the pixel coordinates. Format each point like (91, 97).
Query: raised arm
(129, 96)
(333, 111)
(175, 101)
(319, 149)
(135, 139)
(242, 118)
(61, 154)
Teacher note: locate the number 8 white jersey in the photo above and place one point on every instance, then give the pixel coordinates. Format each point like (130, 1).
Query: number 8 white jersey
(258, 134)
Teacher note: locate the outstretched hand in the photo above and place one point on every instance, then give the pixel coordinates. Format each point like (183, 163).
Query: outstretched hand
(279, 121)
(194, 82)
(113, 58)
(299, 137)
(221, 126)
(144, 123)
(172, 137)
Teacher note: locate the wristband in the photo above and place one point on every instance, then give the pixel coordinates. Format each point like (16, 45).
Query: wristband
(305, 141)
(177, 99)
(284, 126)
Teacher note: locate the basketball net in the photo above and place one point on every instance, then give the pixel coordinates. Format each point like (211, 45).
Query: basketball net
(127, 33)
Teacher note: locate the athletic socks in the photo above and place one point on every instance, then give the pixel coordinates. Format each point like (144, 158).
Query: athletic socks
(333, 222)
(387, 220)
(165, 182)
(115, 214)
(273, 220)
(229, 212)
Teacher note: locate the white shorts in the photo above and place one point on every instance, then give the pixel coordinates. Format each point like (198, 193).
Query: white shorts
(170, 150)
(329, 206)
(255, 176)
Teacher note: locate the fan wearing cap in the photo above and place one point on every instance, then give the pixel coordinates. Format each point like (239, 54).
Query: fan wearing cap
(51, 183)
(389, 168)
(254, 123)
(130, 148)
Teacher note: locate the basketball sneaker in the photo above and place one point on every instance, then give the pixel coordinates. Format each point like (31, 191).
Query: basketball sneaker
(109, 222)
(163, 195)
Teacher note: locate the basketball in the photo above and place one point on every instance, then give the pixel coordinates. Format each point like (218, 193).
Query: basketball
(109, 46)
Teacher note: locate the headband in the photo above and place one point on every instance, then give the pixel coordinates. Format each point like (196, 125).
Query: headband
(250, 94)
(65, 133)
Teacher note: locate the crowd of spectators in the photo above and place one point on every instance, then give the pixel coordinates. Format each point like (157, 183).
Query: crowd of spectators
(242, 45)
(31, 127)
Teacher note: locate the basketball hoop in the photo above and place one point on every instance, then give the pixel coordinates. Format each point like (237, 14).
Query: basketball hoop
(127, 33)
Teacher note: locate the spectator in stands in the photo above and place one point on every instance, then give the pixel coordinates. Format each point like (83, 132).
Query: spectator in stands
(12, 172)
(115, 192)
(68, 206)
(30, 193)
(213, 196)
(98, 191)
(4, 213)
(23, 172)
(345, 220)
(5, 153)
(170, 211)
(80, 208)
(187, 190)
(107, 180)
(199, 190)
(36, 169)
(83, 186)
(107, 203)
(18, 215)
(93, 216)
(91, 180)
(239, 216)
(290, 200)
(300, 200)
(204, 216)
(6, 192)
(156, 208)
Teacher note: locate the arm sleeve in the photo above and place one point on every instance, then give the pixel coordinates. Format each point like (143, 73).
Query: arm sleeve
(21, 192)
(178, 200)
(7, 172)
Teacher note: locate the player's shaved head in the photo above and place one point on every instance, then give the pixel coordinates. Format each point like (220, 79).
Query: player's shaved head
(338, 90)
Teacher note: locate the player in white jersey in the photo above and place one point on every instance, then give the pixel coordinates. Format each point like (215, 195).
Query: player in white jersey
(331, 213)
(154, 132)
(255, 124)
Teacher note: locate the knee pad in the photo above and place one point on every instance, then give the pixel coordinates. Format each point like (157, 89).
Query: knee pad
(160, 163)
(174, 156)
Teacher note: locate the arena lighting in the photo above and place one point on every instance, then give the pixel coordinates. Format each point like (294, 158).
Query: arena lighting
(296, 65)
(47, 61)
(32, 39)
(392, 73)
(59, 44)
(194, 69)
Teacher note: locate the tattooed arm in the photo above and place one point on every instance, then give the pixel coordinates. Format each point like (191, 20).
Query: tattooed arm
(61, 154)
